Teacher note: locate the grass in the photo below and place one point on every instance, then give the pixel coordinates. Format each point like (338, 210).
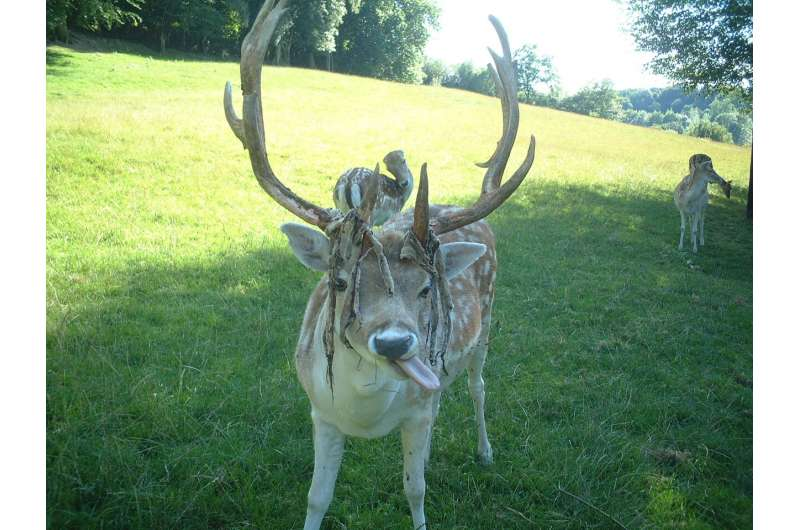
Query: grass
(619, 377)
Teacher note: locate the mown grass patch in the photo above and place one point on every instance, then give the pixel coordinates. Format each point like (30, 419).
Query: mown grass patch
(173, 307)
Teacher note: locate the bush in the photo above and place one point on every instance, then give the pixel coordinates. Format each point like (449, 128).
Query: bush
(467, 77)
(705, 128)
(434, 71)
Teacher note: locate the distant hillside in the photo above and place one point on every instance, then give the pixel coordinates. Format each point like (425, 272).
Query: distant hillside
(721, 118)
(321, 123)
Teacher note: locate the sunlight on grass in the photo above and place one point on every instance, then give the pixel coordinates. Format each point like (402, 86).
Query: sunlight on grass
(174, 303)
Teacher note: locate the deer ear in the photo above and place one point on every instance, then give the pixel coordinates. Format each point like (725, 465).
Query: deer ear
(310, 246)
(459, 256)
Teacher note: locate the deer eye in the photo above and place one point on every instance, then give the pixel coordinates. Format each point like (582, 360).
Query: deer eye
(340, 285)
(425, 291)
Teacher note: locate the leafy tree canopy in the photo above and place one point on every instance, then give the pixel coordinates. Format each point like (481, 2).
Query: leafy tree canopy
(535, 72)
(599, 99)
(386, 39)
(698, 43)
(91, 15)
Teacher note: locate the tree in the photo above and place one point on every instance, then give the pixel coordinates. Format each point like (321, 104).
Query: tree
(705, 128)
(699, 43)
(313, 29)
(599, 100)
(90, 15)
(535, 72)
(434, 71)
(466, 77)
(704, 44)
(162, 18)
(386, 39)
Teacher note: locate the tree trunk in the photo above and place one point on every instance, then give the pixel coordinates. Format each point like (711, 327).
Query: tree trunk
(62, 31)
(750, 188)
(328, 61)
(163, 38)
(311, 62)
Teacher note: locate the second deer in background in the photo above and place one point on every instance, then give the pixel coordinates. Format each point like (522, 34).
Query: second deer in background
(351, 187)
(691, 196)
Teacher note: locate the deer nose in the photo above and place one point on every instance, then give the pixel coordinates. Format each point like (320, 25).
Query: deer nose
(393, 344)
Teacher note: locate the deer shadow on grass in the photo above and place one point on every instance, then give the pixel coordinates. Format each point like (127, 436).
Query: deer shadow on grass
(175, 386)
(606, 261)
(622, 226)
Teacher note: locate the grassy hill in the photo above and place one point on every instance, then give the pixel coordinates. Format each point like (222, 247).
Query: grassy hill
(619, 376)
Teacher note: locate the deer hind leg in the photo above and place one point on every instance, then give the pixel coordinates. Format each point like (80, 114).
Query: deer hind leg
(476, 389)
(328, 449)
(695, 221)
(683, 230)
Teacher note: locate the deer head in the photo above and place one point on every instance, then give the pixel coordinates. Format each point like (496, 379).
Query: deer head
(700, 165)
(388, 296)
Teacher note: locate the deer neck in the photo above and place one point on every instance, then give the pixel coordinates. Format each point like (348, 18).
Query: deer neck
(363, 390)
(698, 185)
(403, 177)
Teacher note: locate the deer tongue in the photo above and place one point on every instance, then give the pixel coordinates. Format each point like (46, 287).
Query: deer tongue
(419, 372)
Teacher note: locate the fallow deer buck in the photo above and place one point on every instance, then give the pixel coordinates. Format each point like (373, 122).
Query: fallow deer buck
(400, 313)
(351, 188)
(691, 196)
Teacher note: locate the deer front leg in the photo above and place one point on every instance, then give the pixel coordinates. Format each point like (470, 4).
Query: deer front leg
(414, 434)
(683, 230)
(437, 396)
(702, 215)
(328, 449)
(477, 393)
(695, 220)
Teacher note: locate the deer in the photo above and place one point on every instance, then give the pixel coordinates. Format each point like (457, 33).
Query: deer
(691, 196)
(351, 188)
(398, 314)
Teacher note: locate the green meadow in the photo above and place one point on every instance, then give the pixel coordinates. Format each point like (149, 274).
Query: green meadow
(619, 377)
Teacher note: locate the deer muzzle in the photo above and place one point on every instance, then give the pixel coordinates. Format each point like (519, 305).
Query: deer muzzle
(392, 344)
(399, 347)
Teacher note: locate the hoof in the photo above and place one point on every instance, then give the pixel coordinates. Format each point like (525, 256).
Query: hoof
(485, 458)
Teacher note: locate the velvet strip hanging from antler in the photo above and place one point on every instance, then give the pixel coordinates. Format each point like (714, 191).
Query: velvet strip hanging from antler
(351, 241)
(428, 256)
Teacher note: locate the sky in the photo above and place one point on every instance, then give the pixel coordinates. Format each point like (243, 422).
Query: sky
(586, 38)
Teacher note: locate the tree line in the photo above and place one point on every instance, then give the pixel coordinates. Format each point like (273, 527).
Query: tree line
(705, 47)
(721, 117)
(386, 39)
(376, 38)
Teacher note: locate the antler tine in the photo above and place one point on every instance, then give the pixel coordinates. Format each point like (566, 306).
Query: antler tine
(250, 129)
(371, 191)
(493, 194)
(230, 114)
(421, 208)
(504, 105)
(506, 82)
(489, 202)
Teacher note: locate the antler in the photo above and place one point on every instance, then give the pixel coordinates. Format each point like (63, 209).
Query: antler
(250, 128)
(492, 193)
(421, 211)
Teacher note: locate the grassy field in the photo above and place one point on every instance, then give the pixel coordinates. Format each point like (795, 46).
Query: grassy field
(619, 375)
